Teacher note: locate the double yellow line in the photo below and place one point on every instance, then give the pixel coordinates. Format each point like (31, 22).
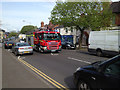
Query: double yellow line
(53, 82)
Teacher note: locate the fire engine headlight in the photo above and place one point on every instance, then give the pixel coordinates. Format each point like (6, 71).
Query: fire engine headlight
(45, 48)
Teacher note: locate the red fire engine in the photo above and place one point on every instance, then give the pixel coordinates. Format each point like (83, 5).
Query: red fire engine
(45, 41)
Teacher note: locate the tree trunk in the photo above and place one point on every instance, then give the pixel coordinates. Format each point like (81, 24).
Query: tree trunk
(80, 40)
(81, 37)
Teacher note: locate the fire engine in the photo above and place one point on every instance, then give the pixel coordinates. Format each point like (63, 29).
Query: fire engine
(45, 41)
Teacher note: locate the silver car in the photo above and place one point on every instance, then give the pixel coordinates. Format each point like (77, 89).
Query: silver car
(22, 48)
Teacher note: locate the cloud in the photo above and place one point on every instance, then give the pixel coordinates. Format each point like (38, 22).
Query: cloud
(28, 0)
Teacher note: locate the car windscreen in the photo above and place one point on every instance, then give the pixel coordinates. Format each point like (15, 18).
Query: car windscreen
(9, 42)
(52, 36)
(22, 44)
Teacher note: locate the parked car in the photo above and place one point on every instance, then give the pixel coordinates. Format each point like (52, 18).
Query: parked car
(101, 75)
(22, 40)
(22, 48)
(68, 45)
(8, 44)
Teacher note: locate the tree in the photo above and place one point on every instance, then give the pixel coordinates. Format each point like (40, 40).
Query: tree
(27, 29)
(83, 15)
(13, 33)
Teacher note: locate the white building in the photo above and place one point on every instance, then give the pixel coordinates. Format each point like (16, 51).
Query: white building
(2, 34)
(64, 31)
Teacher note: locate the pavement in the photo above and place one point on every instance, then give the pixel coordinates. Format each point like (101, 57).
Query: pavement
(0, 66)
(15, 75)
(0, 45)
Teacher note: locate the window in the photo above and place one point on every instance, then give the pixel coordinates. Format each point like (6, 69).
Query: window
(71, 29)
(66, 30)
(113, 69)
(36, 35)
(40, 36)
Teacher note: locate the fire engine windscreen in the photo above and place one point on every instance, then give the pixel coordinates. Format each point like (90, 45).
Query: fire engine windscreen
(51, 36)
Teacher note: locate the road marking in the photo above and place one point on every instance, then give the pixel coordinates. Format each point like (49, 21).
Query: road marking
(79, 60)
(50, 80)
(53, 54)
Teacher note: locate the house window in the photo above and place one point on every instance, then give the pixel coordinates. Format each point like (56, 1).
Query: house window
(66, 30)
(71, 29)
(113, 22)
(59, 30)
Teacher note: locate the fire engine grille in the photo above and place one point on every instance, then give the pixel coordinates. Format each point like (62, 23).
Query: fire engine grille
(52, 45)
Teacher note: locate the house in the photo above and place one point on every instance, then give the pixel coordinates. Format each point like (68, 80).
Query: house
(2, 33)
(51, 26)
(71, 34)
(115, 6)
(6, 34)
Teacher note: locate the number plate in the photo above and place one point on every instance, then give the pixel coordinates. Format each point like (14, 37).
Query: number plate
(26, 52)
(10, 44)
(53, 50)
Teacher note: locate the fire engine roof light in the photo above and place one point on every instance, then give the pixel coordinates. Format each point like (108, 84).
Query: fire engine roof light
(56, 30)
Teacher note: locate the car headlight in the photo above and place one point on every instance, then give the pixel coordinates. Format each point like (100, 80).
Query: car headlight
(68, 45)
(78, 68)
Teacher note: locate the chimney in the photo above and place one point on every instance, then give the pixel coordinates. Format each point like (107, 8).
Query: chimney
(42, 24)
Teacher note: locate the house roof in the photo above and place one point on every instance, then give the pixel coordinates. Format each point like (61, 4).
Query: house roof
(60, 26)
(115, 6)
(2, 30)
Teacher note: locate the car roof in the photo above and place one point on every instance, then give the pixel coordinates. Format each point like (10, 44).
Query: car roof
(113, 59)
(9, 42)
(22, 43)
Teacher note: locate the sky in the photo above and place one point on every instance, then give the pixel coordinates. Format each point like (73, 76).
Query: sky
(16, 14)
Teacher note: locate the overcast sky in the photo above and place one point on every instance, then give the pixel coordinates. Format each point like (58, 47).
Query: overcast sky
(15, 15)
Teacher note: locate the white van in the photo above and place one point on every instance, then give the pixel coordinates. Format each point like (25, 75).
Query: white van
(104, 42)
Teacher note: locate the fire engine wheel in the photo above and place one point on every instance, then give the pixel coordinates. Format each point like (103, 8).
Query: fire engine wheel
(37, 49)
(41, 51)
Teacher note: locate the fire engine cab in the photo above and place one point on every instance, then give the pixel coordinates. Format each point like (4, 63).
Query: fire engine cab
(45, 41)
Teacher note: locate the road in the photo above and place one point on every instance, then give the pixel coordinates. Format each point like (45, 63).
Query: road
(55, 69)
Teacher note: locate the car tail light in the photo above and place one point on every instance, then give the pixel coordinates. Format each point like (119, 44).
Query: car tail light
(21, 48)
(6, 44)
(30, 48)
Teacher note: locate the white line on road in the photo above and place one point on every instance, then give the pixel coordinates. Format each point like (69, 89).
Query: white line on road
(53, 54)
(21, 57)
(79, 60)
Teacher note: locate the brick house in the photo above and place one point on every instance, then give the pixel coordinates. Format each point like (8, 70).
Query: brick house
(115, 6)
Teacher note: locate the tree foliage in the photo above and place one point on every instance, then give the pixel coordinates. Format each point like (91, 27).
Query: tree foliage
(27, 29)
(13, 33)
(93, 15)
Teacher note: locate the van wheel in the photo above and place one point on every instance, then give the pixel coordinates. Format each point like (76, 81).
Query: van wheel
(99, 53)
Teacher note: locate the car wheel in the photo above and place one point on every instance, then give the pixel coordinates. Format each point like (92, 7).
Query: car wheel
(31, 53)
(12, 51)
(83, 86)
(16, 53)
(99, 53)
(5, 47)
